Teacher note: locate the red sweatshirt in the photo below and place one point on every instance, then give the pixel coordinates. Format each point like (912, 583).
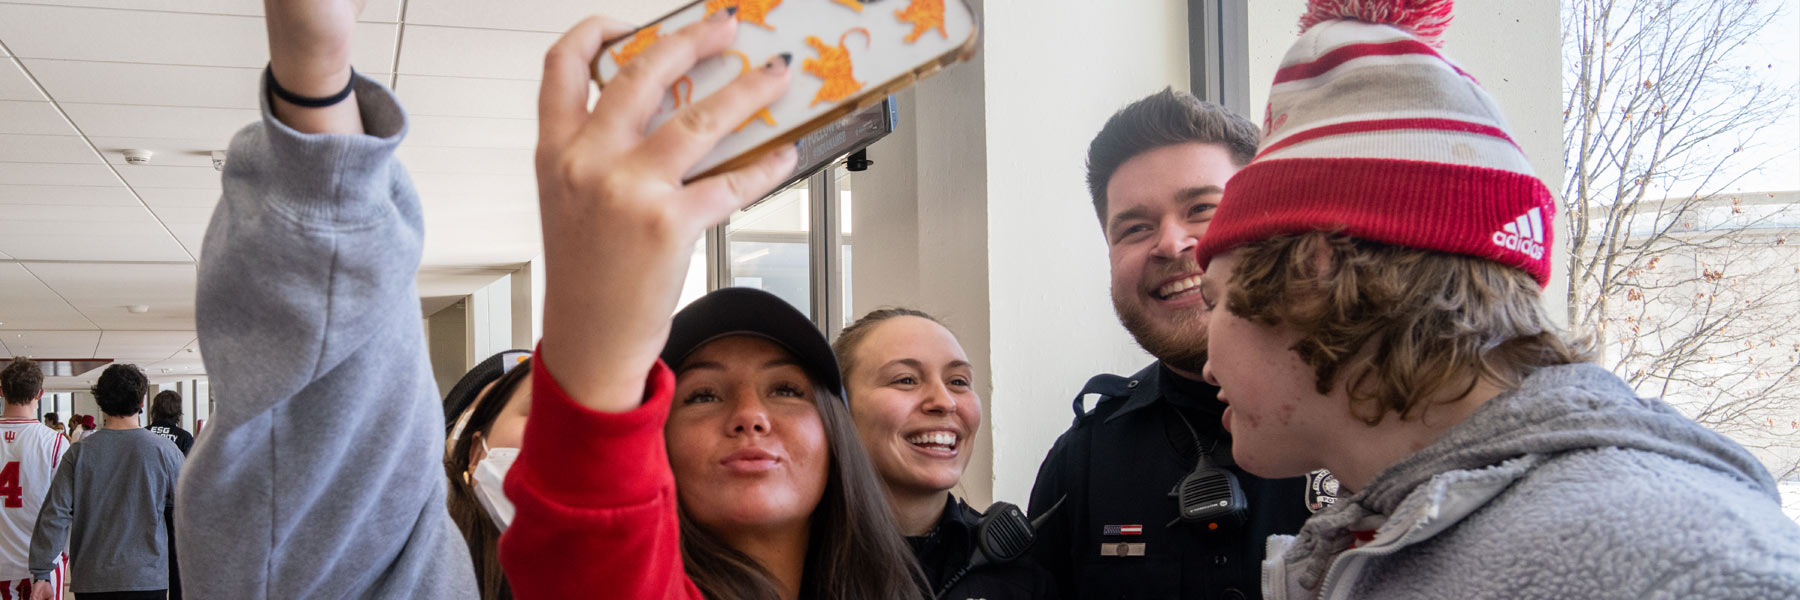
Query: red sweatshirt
(595, 499)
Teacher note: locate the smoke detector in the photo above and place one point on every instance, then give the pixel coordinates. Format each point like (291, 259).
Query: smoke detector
(137, 156)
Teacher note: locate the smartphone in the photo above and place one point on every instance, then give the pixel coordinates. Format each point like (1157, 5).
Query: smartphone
(847, 55)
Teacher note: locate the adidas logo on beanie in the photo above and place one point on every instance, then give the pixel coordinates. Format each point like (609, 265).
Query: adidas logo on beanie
(1372, 131)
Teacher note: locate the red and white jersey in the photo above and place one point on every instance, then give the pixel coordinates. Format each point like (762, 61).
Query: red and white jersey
(29, 455)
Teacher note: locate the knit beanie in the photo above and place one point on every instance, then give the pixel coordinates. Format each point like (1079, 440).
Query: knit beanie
(1371, 131)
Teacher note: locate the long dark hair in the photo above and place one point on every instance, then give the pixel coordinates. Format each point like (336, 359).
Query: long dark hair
(477, 529)
(855, 550)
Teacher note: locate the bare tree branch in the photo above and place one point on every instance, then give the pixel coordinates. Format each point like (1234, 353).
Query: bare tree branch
(1695, 293)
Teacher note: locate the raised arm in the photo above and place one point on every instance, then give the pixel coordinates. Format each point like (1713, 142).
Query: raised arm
(595, 498)
(320, 473)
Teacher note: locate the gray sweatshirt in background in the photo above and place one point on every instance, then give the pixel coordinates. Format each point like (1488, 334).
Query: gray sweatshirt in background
(106, 504)
(321, 472)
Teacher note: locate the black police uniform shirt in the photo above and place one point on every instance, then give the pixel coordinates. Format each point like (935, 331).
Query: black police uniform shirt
(948, 548)
(172, 431)
(1118, 533)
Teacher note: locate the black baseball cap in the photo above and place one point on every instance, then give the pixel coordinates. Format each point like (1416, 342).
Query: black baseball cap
(462, 395)
(750, 311)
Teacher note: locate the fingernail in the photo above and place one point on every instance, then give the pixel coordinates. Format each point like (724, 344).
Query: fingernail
(780, 62)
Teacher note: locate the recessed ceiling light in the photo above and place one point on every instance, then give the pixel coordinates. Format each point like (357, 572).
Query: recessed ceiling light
(138, 309)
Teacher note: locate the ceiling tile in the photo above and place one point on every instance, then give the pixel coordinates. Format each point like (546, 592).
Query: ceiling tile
(468, 97)
(56, 174)
(55, 194)
(555, 16)
(97, 34)
(150, 176)
(28, 304)
(150, 243)
(500, 161)
(39, 118)
(46, 149)
(129, 345)
(14, 85)
(191, 236)
(115, 120)
(52, 344)
(154, 85)
(80, 214)
(184, 215)
(103, 291)
(382, 11)
(78, 228)
(469, 132)
(159, 198)
(487, 53)
(167, 152)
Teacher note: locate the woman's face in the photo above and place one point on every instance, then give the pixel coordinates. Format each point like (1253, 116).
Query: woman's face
(745, 439)
(508, 428)
(913, 398)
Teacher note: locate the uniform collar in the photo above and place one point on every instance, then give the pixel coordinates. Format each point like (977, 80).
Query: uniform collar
(1147, 386)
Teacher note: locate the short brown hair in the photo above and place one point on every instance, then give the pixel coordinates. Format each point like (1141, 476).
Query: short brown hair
(1165, 118)
(166, 406)
(21, 381)
(1401, 327)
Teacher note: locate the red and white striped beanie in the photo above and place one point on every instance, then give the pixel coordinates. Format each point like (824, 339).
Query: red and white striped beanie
(1373, 132)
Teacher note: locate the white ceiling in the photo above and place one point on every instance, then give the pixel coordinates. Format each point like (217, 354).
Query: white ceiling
(84, 235)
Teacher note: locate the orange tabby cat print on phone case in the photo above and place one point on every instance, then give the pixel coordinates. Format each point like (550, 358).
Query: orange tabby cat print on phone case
(760, 114)
(639, 41)
(925, 15)
(754, 12)
(833, 65)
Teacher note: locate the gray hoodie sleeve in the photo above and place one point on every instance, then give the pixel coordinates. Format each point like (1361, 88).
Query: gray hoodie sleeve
(320, 474)
(50, 536)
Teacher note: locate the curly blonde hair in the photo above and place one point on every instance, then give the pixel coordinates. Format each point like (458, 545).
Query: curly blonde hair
(1401, 327)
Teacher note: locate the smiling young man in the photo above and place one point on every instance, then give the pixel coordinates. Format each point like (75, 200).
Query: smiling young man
(1156, 172)
(1373, 281)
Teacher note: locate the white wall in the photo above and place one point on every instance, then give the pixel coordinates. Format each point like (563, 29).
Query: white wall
(1054, 77)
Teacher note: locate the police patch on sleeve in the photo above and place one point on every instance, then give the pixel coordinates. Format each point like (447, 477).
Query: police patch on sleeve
(1321, 490)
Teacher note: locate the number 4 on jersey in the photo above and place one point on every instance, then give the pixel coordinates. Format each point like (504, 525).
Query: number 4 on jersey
(9, 485)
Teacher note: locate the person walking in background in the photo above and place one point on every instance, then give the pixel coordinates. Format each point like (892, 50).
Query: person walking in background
(165, 421)
(29, 455)
(75, 429)
(107, 502)
(54, 422)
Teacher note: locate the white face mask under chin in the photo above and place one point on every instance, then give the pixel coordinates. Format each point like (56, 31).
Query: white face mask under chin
(489, 480)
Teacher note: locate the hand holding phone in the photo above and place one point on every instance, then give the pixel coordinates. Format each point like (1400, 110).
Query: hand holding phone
(848, 54)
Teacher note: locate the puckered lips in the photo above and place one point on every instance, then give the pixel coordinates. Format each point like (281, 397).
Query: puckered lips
(935, 442)
(751, 460)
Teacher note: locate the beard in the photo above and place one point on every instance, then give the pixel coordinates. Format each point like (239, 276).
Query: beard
(1179, 342)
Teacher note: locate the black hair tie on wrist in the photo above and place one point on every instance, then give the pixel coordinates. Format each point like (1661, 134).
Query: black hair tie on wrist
(299, 100)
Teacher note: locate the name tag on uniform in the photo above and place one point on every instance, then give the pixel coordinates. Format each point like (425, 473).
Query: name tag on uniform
(1122, 549)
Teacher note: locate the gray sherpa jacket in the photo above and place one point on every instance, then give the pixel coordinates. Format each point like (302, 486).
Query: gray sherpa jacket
(1569, 487)
(321, 472)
